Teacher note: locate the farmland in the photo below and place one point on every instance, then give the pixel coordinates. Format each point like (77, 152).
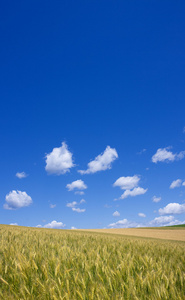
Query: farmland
(165, 233)
(64, 264)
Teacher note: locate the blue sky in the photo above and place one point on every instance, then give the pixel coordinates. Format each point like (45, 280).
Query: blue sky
(92, 113)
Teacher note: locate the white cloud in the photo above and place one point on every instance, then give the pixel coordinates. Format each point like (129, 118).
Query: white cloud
(55, 225)
(52, 205)
(78, 184)
(156, 199)
(73, 228)
(141, 215)
(162, 220)
(78, 210)
(39, 226)
(175, 183)
(130, 185)
(132, 193)
(180, 155)
(172, 208)
(101, 162)
(123, 224)
(21, 175)
(17, 199)
(164, 155)
(71, 204)
(159, 221)
(127, 183)
(183, 183)
(165, 221)
(74, 204)
(14, 224)
(79, 193)
(119, 223)
(59, 161)
(82, 201)
(116, 214)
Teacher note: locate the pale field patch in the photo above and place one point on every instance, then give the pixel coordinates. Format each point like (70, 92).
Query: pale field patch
(166, 234)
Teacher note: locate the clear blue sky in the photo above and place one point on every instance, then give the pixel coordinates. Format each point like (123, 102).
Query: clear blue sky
(92, 74)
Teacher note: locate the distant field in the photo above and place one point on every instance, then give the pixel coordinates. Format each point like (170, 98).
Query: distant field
(167, 233)
(70, 264)
(175, 226)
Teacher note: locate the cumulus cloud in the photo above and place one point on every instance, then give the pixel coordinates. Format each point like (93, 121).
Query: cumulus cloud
(172, 208)
(73, 228)
(123, 224)
(14, 224)
(132, 193)
(78, 184)
(78, 210)
(159, 221)
(17, 199)
(180, 155)
(175, 183)
(21, 175)
(165, 221)
(156, 199)
(71, 204)
(162, 220)
(55, 225)
(141, 215)
(116, 214)
(59, 161)
(130, 185)
(165, 155)
(102, 162)
(127, 183)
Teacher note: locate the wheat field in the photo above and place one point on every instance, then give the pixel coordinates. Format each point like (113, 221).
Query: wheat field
(64, 264)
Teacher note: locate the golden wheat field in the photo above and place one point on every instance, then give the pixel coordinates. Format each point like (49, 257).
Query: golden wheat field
(64, 264)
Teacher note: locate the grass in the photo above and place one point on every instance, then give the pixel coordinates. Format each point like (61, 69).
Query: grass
(61, 264)
(177, 226)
